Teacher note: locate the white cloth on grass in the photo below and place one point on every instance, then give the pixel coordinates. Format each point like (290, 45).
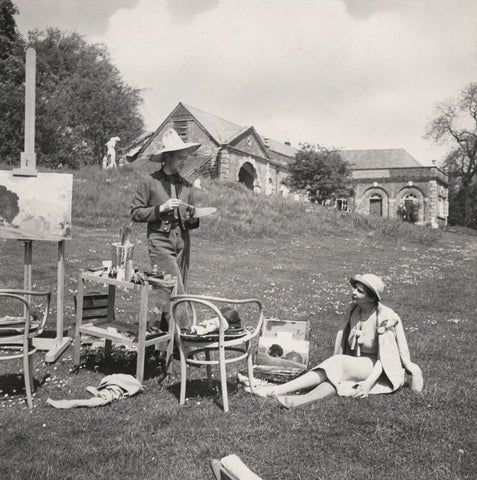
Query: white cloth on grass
(111, 388)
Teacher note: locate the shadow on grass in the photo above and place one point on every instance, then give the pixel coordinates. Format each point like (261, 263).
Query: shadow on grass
(122, 360)
(200, 388)
(14, 384)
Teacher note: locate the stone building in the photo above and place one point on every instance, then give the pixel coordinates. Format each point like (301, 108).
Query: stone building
(384, 180)
(387, 180)
(228, 151)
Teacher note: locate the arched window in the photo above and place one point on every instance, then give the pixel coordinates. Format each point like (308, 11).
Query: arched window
(411, 197)
(376, 205)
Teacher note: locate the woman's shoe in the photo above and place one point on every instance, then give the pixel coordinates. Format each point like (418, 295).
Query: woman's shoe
(281, 401)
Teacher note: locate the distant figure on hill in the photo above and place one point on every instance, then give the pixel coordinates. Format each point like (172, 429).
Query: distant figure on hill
(371, 354)
(109, 160)
(165, 200)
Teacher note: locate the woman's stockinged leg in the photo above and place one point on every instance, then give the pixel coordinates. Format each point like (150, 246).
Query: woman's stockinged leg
(322, 391)
(306, 381)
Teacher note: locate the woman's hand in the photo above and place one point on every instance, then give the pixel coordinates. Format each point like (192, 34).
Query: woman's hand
(362, 391)
(170, 205)
(417, 382)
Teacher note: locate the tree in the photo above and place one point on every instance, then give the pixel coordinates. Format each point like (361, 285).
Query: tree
(457, 195)
(12, 92)
(81, 100)
(8, 27)
(456, 121)
(321, 172)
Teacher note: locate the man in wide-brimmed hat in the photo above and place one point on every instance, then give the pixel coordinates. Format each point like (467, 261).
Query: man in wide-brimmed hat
(165, 200)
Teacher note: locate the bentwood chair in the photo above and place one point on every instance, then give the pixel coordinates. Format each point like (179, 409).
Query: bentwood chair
(221, 347)
(17, 332)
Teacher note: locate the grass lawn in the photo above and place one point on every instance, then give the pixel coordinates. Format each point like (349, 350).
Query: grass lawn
(299, 274)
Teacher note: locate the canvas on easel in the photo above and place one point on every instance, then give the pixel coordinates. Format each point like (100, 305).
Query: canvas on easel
(37, 206)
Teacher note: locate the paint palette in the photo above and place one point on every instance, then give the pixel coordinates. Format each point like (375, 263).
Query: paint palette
(204, 211)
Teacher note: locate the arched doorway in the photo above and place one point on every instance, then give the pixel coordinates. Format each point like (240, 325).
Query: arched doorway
(247, 175)
(411, 208)
(376, 205)
(411, 205)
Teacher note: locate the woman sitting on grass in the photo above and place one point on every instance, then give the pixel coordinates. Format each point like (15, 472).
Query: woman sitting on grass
(371, 354)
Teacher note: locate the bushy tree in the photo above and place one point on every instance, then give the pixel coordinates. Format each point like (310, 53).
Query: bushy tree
(321, 173)
(8, 27)
(457, 199)
(81, 98)
(12, 90)
(455, 122)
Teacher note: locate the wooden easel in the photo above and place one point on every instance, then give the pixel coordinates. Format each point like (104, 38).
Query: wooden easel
(57, 345)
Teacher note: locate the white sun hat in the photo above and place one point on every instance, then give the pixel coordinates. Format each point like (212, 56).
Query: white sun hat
(373, 282)
(172, 142)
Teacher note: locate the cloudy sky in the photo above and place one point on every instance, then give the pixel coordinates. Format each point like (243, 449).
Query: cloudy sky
(353, 74)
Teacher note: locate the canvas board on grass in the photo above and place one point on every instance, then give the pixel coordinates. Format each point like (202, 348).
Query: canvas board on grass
(36, 208)
(273, 327)
(283, 349)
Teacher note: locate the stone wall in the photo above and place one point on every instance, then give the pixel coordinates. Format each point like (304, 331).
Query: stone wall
(268, 177)
(393, 185)
(249, 143)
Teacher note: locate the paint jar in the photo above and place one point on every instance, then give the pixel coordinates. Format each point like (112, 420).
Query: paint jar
(129, 271)
(121, 259)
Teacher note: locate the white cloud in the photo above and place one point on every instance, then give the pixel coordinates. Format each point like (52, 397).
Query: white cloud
(360, 75)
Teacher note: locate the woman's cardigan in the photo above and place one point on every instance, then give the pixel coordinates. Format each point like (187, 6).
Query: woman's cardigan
(393, 351)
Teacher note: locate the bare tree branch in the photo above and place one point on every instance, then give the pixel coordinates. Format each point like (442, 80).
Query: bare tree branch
(456, 121)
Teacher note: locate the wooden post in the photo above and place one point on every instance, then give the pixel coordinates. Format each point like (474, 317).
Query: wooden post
(27, 263)
(60, 294)
(79, 321)
(28, 156)
(141, 353)
(108, 344)
(61, 343)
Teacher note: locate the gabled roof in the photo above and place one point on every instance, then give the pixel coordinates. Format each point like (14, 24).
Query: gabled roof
(222, 131)
(281, 148)
(385, 158)
(250, 131)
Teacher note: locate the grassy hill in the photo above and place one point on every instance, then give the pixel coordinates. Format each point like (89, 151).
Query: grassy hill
(102, 198)
(297, 260)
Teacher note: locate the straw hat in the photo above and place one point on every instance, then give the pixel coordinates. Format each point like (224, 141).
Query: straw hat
(373, 282)
(172, 142)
